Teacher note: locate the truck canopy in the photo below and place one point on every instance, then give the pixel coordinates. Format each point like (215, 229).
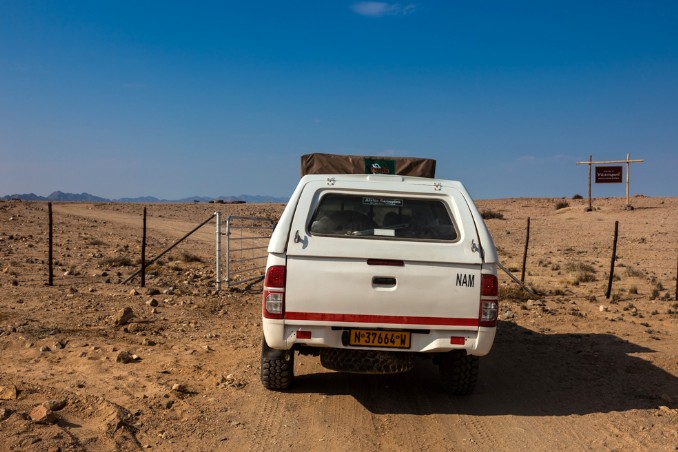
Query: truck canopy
(360, 164)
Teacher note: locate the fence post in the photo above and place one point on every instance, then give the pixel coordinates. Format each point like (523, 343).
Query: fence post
(676, 278)
(218, 233)
(527, 241)
(143, 254)
(50, 260)
(614, 256)
(590, 207)
(228, 251)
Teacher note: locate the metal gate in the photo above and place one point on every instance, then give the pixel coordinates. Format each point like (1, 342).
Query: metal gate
(246, 243)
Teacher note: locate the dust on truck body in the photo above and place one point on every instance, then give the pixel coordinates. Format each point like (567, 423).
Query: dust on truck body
(371, 271)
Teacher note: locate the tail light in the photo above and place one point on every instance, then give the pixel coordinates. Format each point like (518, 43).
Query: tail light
(274, 292)
(489, 286)
(489, 303)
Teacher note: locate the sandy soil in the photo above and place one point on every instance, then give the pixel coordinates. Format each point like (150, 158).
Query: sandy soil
(570, 370)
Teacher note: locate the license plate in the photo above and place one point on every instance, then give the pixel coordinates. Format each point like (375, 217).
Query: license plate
(375, 338)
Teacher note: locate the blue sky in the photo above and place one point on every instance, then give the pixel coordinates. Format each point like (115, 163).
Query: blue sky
(176, 99)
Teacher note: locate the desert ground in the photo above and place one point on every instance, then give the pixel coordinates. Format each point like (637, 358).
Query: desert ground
(570, 369)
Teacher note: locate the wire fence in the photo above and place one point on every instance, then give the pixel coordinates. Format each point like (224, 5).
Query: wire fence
(646, 258)
(564, 251)
(89, 251)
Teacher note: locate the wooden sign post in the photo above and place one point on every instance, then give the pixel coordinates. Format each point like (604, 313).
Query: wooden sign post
(610, 175)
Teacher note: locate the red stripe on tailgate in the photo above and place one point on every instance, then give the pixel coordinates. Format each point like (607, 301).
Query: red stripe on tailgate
(365, 318)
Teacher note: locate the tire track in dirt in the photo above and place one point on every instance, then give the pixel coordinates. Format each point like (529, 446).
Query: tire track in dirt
(409, 407)
(618, 438)
(327, 412)
(267, 428)
(479, 430)
(409, 412)
(453, 427)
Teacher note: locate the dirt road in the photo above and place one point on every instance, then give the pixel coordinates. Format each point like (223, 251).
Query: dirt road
(570, 370)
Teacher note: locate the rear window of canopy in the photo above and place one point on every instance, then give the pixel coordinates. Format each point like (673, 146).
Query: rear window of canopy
(383, 217)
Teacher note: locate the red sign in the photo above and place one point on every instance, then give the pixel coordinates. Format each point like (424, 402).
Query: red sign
(609, 174)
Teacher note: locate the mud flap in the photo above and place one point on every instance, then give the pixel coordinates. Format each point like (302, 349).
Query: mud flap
(271, 353)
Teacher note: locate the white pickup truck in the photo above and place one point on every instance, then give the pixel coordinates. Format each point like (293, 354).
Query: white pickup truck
(370, 271)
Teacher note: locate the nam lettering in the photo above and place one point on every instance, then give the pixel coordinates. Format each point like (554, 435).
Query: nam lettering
(464, 280)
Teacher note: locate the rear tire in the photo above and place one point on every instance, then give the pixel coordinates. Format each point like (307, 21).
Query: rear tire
(458, 372)
(277, 367)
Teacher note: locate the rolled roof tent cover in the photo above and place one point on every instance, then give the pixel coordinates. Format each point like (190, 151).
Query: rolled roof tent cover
(361, 164)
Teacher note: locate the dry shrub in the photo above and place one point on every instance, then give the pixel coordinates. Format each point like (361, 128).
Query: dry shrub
(584, 277)
(117, 261)
(515, 293)
(189, 257)
(96, 242)
(579, 267)
(633, 273)
(583, 273)
(491, 215)
(562, 205)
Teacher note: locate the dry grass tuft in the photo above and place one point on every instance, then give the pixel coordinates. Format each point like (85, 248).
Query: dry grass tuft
(491, 215)
(633, 273)
(515, 293)
(189, 257)
(579, 267)
(583, 273)
(117, 261)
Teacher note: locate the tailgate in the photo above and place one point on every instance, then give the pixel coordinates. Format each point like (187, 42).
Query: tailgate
(353, 291)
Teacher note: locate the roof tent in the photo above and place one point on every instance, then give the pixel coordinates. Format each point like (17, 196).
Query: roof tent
(360, 164)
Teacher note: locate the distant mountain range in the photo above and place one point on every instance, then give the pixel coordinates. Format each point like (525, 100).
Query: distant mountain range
(86, 197)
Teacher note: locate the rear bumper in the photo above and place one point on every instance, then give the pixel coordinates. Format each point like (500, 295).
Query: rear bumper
(476, 340)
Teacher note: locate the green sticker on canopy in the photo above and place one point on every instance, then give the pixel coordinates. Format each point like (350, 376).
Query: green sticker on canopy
(379, 166)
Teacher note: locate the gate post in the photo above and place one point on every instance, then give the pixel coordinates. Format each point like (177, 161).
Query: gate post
(218, 238)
